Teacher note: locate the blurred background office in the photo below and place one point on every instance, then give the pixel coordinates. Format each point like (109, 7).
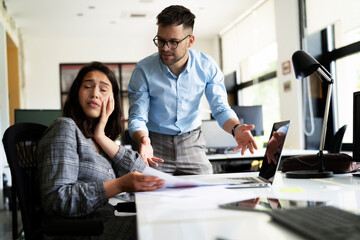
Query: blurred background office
(43, 42)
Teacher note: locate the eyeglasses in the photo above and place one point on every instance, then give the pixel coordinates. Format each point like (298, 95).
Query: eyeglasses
(172, 44)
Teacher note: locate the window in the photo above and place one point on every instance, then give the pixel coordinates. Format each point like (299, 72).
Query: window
(348, 81)
(263, 89)
(342, 54)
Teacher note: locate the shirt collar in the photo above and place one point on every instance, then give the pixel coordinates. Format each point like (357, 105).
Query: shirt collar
(188, 63)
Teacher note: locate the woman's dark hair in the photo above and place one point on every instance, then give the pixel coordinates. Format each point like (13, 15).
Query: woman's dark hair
(72, 108)
(176, 14)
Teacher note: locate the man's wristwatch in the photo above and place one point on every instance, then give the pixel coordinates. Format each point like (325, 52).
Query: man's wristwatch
(233, 129)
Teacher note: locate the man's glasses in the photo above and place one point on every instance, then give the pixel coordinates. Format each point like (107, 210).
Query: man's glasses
(172, 44)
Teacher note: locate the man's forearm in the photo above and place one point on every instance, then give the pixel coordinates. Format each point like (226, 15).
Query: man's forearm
(138, 136)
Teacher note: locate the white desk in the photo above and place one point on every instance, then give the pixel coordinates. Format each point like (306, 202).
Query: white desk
(198, 216)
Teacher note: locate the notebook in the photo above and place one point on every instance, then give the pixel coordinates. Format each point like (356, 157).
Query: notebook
(267, 170)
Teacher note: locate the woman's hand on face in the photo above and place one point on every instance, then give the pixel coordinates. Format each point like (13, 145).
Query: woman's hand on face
(136, 182)
(107, 107)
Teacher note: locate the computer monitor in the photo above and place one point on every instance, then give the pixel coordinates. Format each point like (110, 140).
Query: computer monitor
(356, 127)
(251, 115)
(42, 116)
(217, 140)
(230, 81)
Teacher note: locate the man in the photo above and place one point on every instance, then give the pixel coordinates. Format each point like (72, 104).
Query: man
(164, 93)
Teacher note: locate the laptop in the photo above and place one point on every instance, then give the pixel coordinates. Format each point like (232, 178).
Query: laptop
(267, 170)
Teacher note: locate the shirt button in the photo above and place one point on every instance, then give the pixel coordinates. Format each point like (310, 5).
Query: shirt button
(110, 171)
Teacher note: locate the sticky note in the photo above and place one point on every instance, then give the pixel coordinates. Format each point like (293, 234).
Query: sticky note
(292, 189)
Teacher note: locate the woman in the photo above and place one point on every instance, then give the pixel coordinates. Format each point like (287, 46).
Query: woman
(80, 165)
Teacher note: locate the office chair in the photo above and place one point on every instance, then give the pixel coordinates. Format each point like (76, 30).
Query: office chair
(20, 141)
(336, 144)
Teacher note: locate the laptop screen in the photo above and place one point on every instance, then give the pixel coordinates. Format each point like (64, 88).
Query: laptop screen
(275, 145)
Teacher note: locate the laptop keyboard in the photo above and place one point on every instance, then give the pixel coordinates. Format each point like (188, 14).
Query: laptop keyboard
(323, 222)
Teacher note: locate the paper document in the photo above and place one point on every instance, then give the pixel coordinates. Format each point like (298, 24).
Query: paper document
(174, 182)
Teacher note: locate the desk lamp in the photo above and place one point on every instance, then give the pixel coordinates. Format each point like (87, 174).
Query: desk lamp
(305, 65)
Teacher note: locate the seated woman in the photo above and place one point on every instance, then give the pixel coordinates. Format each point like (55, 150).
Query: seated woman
(80, 166)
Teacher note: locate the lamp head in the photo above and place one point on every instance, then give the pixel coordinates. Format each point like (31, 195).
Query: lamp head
(304, 64)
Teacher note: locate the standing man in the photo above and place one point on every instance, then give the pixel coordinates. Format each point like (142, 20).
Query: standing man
(165, 92)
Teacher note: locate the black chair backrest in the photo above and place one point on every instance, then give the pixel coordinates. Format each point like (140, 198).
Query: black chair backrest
(337, 140)
(20, 142)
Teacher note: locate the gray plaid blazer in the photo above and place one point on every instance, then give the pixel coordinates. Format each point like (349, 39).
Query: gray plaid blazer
(71, 172)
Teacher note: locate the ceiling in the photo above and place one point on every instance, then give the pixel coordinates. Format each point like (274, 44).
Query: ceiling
(116, 18)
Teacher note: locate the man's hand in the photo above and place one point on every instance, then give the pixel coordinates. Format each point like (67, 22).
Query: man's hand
(244, 138)
(146, 152)
(273, 146)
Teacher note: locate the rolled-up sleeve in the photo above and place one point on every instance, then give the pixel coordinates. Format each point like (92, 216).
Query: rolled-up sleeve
(127, 160)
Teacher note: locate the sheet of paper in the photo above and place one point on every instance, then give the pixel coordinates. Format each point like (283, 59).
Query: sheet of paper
(174, 182)
(213, 194)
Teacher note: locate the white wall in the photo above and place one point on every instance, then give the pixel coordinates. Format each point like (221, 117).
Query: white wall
(208, 46)
(288, 40)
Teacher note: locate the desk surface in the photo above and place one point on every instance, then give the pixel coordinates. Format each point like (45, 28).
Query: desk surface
(193, 213)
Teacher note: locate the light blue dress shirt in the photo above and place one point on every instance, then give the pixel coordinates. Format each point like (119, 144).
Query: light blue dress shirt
(164, 103)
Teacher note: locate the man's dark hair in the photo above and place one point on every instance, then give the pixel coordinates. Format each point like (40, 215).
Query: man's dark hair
(176, 14)
(72, 108)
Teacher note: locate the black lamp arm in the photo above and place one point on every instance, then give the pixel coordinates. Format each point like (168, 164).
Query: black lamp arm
(330, 81)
